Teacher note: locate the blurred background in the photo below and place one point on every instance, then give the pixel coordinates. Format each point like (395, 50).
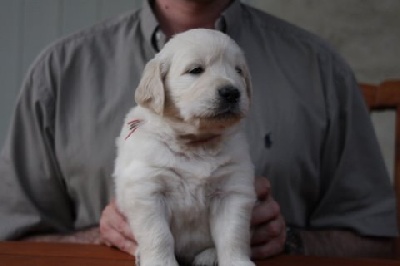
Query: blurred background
(365, 32)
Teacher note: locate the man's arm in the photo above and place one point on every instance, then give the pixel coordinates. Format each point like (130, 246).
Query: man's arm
(88, 236)
(33, 194)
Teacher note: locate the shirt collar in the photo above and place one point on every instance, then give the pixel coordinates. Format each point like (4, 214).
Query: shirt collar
(229, 23)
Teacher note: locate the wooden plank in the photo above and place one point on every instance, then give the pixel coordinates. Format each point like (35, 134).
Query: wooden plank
(386, 96)
(45, 249)
(43, 254)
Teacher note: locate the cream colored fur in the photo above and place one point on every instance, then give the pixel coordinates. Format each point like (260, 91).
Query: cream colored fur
(183, 174)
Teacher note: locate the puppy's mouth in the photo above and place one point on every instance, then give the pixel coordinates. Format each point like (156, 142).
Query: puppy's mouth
(218, 120)
(225, 111)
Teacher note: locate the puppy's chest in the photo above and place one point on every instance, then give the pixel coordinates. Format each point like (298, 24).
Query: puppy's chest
(184, 193)
(199, 169)
(188, 203)
(194, 186)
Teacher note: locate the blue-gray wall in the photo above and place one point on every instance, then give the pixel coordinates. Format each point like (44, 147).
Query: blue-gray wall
(365, 32)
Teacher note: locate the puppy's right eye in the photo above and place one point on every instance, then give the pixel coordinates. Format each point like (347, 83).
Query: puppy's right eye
(196, 70)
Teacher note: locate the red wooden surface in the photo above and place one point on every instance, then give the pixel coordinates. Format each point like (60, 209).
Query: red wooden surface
(46, 254)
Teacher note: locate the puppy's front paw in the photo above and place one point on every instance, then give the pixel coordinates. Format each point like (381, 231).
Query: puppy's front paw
(143, 260)
(137, 257)
(207, 257)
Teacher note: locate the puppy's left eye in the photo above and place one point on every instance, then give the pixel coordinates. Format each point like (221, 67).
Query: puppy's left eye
(196, 70)
(239, 70)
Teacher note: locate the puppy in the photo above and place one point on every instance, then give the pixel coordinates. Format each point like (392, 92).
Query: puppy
(183, 174)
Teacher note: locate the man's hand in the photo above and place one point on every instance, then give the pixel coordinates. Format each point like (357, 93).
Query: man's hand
(268, 225)
(115, 230)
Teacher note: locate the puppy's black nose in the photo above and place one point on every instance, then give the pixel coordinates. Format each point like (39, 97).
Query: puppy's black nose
(229, 94)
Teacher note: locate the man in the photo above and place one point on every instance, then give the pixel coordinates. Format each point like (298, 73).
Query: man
(309, 133)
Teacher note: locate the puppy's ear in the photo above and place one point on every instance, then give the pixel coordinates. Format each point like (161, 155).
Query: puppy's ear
(151, 91)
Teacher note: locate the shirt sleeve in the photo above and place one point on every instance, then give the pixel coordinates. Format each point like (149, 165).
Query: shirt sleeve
(356, 192)
(33, 196)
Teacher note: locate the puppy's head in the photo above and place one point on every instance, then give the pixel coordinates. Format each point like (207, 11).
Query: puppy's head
(200, 78)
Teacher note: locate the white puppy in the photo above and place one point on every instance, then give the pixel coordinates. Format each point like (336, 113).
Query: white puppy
(183, 174)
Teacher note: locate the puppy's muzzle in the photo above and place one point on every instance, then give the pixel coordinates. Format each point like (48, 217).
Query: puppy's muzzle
(228, 100)
(229, 95)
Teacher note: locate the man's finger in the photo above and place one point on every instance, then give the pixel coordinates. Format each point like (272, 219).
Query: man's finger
(262, 187)
(116, 239)
(265, 233)
(114, 219)
(267, 250)
(264, 212)
(119, 224)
